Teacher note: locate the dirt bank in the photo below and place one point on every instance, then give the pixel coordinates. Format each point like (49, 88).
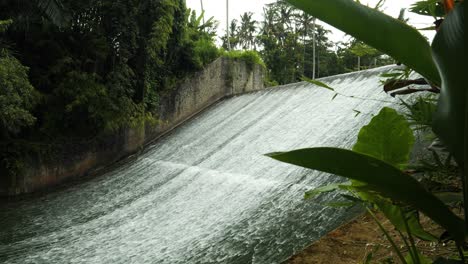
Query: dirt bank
(352, 242)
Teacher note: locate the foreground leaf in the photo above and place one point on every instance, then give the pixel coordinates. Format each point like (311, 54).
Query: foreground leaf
(387, 137)
(394, 214)
(376, 29)
(450, 198)
(382, 177)
(318, 83)
(325, 189)
(449, 49)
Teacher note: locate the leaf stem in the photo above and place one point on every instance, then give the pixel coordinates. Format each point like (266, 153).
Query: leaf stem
(387, 235)
(464, 171)
(411, 239)
(407, 245)
(460, 252)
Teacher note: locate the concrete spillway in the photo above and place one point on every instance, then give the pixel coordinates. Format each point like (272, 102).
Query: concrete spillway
(204, 193)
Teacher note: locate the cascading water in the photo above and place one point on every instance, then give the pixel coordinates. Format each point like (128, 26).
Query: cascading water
(204, 193)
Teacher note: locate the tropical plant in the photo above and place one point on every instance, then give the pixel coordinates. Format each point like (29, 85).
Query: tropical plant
(17, 97)
(376, 167)
(388, 137)
(360, 49)
(247, 31)
(103, 67)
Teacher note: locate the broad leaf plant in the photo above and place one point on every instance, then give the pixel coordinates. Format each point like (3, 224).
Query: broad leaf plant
(376, 164)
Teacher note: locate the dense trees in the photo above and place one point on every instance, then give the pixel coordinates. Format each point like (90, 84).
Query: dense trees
(83, 67)
(78, 68)
(292, 45)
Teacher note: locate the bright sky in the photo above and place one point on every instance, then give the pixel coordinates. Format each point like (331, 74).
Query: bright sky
(217, 9)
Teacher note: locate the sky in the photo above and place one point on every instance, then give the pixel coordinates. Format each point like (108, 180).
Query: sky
(217, 9)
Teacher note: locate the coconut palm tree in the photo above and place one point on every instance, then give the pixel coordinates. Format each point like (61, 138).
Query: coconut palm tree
(247, 31)
(307, 24)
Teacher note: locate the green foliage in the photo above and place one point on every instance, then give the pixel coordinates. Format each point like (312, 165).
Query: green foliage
(292, 45)
(85, 105)
(432, 8)
(361, 49)
(200, 40)
(205, 52)
(4, 24)
(103, 65)
(414, 51)
(354, 55)
(400, 217)
(421, 112)
(318, 83)
(249, 56)
(98, 66)
(388, 137)
(380, 177)
(373, 168)
(247, 31)
(17, 96)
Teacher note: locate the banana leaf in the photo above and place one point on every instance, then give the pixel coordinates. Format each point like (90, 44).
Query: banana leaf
(384, 178)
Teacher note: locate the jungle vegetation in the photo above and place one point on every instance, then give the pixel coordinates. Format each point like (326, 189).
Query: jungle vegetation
(77, 68)
(74, 71)
(286, 39)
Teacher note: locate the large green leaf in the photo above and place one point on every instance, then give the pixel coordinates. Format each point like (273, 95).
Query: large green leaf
(449, 50)
(387, 137)
(324, 189)
(384, 178)
(394, 214)
(376, 29)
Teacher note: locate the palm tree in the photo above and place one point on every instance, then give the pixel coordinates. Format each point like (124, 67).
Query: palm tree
(307, 22)
(285, 13)
(268, 24)
(247, 31)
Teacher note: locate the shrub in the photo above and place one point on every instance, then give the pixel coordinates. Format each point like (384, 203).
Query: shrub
(17, 96)
(249, 56)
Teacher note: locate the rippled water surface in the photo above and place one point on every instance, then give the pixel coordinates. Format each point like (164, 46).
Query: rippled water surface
(204, 193)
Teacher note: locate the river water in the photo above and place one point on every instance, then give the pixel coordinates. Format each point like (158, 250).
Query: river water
(204, 193)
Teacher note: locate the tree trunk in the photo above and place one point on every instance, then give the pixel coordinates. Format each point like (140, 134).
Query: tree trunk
(318, 63)
(313, 49)
(227, 25)
(304, 50)
(203, 10)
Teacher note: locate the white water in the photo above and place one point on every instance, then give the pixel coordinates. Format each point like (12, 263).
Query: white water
(204, 193)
